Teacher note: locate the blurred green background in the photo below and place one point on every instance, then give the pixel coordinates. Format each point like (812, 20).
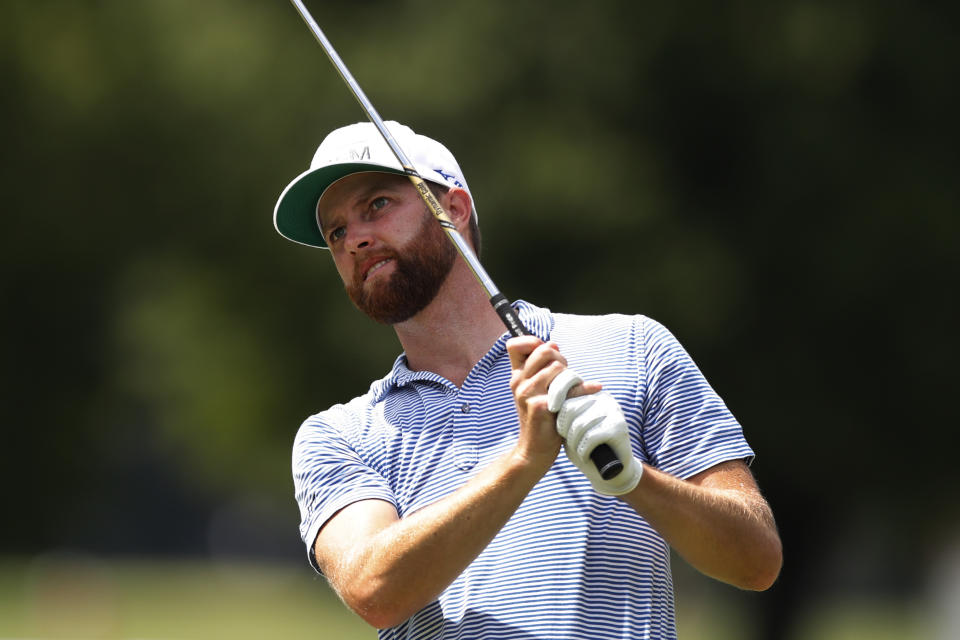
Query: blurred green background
(776, 182)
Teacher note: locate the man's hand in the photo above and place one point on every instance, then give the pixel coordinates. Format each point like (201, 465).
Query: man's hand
(535, 364)
(587, 421)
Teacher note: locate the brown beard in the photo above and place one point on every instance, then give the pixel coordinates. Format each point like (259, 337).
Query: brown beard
(421, 267)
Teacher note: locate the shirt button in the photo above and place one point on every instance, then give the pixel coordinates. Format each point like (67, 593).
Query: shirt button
(465, 407)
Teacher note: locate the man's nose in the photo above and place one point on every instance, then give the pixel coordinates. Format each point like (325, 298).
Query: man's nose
(359, 236)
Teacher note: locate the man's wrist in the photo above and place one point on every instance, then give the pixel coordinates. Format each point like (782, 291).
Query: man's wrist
(534, 465)
(626, 481)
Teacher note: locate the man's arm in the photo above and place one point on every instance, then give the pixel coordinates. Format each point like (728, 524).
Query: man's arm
(387, 568)
(717, 521)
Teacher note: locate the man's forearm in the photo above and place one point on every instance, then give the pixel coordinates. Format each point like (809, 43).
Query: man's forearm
(391, 574)
(720, 524)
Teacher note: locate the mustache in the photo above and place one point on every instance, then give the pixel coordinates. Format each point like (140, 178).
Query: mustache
(358, 273)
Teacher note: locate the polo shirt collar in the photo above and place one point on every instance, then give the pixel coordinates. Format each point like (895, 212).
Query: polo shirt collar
(538, 320)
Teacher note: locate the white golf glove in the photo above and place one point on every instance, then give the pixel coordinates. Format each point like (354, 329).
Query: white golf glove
(588, 421)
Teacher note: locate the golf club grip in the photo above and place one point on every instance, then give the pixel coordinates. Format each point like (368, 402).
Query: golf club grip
(606, 461)
(509, 315)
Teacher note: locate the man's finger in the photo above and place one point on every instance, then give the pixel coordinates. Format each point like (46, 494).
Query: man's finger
(560, 386)
(584, 389)
(520, 348)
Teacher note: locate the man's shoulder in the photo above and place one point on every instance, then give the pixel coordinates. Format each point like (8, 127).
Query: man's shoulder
(585, 325)
(579, 322)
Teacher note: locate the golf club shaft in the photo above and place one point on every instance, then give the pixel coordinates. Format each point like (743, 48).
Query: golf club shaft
(603, 456)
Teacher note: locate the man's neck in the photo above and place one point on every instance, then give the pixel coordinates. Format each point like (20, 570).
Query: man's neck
(454, 331)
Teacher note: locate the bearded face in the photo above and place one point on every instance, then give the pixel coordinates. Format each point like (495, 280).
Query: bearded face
(421, 267)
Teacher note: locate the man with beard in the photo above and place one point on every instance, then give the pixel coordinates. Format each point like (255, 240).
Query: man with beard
(436, 504)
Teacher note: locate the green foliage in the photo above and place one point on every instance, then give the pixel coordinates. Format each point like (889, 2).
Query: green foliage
(774, 181)
(203, 377)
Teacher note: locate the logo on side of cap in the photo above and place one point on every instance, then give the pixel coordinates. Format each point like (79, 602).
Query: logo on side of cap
(449, 177)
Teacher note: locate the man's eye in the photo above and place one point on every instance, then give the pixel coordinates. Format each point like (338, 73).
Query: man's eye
(338, 233)
(379, 203)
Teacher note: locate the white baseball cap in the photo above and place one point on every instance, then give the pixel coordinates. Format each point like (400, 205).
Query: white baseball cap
(353, 149)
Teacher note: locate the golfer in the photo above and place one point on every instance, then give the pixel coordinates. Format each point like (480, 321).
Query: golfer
(438, 503)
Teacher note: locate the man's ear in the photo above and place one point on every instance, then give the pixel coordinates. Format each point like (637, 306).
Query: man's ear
(459, 207)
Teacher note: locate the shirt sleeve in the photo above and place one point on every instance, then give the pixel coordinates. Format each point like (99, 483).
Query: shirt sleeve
(328, 475)
(687, 427)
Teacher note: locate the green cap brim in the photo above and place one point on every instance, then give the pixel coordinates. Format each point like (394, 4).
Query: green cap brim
(295, 215)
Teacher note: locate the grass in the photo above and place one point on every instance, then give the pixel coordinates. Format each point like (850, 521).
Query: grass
(82, 598)
(862, 620)
(64, 596)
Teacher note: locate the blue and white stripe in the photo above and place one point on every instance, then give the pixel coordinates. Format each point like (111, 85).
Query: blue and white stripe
(570, 563)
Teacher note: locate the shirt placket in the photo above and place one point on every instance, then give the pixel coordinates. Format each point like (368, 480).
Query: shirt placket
(465, 436)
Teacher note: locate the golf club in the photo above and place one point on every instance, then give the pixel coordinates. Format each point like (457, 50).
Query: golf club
(603, 456)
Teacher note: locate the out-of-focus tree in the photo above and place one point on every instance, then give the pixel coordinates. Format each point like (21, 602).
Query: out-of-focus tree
(776, 182)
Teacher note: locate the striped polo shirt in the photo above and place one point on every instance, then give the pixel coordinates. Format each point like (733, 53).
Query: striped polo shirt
(570, 563)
